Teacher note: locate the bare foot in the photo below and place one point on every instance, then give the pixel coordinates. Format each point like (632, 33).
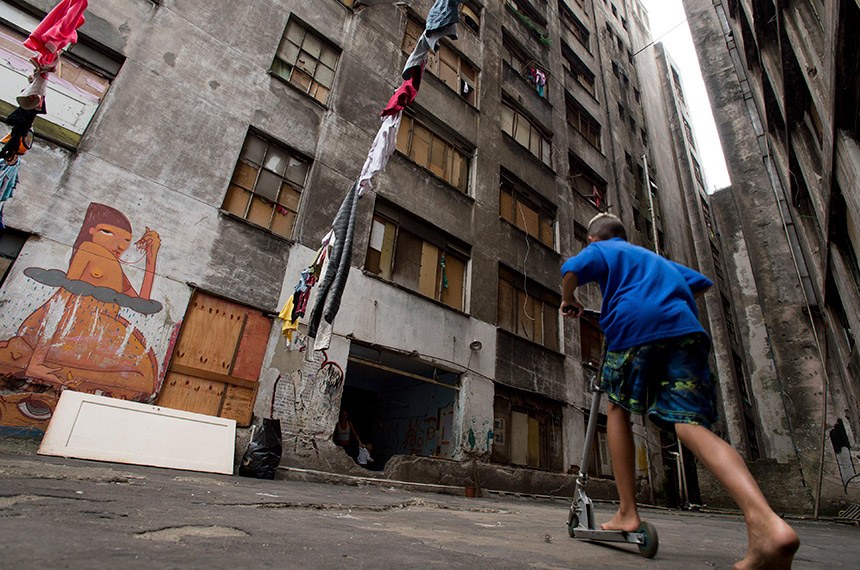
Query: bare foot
(627, 521)
(771, 546)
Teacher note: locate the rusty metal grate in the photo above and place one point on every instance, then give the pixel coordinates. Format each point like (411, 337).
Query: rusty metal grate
(851, 515)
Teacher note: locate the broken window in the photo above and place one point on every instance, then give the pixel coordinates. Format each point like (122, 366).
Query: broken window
(574, 26)
(523, 208)
(306, 60)
(429, 150)
(580, 72)
(447, 64)
(526, 133)
(583, 123)
(267, 185)
(586, 183)
(76, 88)
(415, 255)
(528, 309)
(470, 15)
(526, 67)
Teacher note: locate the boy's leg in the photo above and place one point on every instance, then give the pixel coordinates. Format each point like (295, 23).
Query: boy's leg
(772, 543)
(622, 449)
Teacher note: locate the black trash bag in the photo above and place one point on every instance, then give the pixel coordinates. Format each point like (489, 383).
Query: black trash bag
(263, 455)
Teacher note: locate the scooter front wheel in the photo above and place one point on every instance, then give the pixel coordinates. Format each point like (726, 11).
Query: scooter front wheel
(648, 549)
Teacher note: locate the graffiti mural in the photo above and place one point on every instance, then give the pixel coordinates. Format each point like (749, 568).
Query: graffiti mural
(82, 336)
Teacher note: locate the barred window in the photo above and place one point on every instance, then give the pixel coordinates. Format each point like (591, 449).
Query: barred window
(267, 185)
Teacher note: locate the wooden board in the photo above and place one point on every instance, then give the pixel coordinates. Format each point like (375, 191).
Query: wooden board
(217, 361)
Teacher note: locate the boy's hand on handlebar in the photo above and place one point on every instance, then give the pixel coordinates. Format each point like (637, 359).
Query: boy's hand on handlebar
(574, 309)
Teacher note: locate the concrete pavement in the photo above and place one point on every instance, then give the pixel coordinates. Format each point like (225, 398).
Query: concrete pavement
(61, 513)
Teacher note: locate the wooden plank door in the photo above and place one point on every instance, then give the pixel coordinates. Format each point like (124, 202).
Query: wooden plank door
(215, 365)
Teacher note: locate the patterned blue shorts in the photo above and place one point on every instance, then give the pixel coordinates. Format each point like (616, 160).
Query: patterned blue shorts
(669, 379)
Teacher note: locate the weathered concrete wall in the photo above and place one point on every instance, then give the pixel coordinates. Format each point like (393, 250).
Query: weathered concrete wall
(789, 400)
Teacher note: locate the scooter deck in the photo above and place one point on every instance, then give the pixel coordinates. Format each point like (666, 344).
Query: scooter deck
(609, 535)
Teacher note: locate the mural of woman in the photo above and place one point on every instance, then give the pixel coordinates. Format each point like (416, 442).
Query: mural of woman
(77, 339)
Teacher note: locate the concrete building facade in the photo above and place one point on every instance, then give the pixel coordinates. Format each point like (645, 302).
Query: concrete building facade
(197, 154)
(782, 82)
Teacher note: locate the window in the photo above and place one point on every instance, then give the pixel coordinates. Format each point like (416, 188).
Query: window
(621, 111)
(429, 150)
(267, 184)
(74, 91)
(446, 64)
(577, 68)
(307, 61)
(623, 22)
(614, 11)
(591, 340)
(630, 57)
(417, 256)
(528, 309)
(637, 95)
(574, 26)
(526, 67)
(633, 124)
(689, 131)
(583, 123)
(527, 430)
(347, 3)
(697, 171)
(526, 133)
(470, 15)
(637, 219)
(629, 161)
(586, 183)
(644, 135)
(521, 207)
(580, 237)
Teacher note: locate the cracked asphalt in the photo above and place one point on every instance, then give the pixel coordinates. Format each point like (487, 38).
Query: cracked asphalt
(63, 513)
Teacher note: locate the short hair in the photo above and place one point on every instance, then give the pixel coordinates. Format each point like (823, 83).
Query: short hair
(606, 226)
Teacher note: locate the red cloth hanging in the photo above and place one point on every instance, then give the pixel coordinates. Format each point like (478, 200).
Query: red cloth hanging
(57, 30)
(406, 93)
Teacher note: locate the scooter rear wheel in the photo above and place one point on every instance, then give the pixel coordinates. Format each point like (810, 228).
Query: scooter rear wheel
(648, 549)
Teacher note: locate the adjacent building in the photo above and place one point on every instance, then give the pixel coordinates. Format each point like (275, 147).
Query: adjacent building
(782, 80)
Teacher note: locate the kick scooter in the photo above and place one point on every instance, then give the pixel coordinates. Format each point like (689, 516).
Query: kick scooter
(580, 521)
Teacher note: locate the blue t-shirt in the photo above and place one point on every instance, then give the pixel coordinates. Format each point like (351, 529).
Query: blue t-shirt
(645, 297)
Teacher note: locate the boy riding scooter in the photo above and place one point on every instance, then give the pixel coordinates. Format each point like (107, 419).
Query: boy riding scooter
(657, 363)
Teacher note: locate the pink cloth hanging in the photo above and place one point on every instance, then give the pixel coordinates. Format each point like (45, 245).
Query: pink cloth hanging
(57, 30)
(406, 93)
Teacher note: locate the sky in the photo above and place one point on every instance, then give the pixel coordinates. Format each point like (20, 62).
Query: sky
(664, 15)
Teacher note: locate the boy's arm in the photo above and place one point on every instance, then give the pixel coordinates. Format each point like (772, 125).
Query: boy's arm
(570, 305)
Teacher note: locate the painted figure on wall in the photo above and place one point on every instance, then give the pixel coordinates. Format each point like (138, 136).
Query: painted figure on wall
(77, 339)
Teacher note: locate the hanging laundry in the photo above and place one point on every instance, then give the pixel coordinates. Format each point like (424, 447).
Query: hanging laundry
(33, 95)
(443, 14)
(333, 281)
(427, 42)
(20, 139)
(290, 326)
(8, 176)
(380, 151)
(406, 93)
(57, 30)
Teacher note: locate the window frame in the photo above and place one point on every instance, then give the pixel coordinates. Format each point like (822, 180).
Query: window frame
(545, 155)
(278, 204)
(324, 44)
(549, 309)
(395, 224)
(523, 196)
(466, 155)
(587, 126)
